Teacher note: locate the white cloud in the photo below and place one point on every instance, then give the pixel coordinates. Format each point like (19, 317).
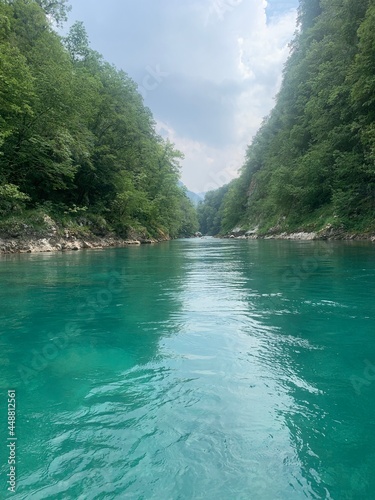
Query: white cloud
(262, 56)
(221, 64)
(259, 54)
(206, 167)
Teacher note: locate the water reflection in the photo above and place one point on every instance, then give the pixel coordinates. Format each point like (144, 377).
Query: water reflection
(325, 330)
(116, 307)
(207, 371)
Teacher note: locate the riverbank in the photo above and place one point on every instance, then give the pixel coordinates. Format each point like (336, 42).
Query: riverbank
(328, 233)
(33, 245)
(52, 237)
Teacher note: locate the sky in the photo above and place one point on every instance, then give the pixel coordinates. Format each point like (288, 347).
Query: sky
(209, 70)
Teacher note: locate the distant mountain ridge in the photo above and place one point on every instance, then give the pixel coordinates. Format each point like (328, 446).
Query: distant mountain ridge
(195, 198)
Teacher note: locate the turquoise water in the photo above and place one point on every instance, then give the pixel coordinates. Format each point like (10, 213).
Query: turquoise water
(195, 369)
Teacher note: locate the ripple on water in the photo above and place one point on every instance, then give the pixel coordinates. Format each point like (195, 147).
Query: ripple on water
(207, 376)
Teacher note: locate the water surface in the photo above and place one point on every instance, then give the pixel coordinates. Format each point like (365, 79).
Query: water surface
(195, 369)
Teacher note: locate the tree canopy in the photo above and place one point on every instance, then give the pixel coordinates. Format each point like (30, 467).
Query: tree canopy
(312, 161)
(74, 131)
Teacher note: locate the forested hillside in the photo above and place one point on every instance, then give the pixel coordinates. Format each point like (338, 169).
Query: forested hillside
(312, 163)
(76, 141)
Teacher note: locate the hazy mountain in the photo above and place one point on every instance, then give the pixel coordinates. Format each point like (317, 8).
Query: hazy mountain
(195, 198)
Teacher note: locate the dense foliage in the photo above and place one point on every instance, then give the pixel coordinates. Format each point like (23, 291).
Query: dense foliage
(75, 136)
(210, 211)
(312, 163)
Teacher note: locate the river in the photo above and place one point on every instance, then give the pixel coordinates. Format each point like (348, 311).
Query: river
(194, 369)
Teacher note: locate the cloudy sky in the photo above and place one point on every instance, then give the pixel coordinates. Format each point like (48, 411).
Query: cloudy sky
(208, 70)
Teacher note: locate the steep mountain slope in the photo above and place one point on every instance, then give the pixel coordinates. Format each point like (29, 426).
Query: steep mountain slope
(311, 164)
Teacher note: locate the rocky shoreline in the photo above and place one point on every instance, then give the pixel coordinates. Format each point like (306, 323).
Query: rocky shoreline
(328, 233)
(53, 244)
(34, 243)
(29, 244)
(56, 239)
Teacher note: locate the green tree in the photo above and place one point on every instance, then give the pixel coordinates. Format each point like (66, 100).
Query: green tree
(57, 10)
(11, 199)
(313, 157)
(74, 131)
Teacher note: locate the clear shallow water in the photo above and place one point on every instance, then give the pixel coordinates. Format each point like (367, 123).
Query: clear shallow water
(196, 369)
